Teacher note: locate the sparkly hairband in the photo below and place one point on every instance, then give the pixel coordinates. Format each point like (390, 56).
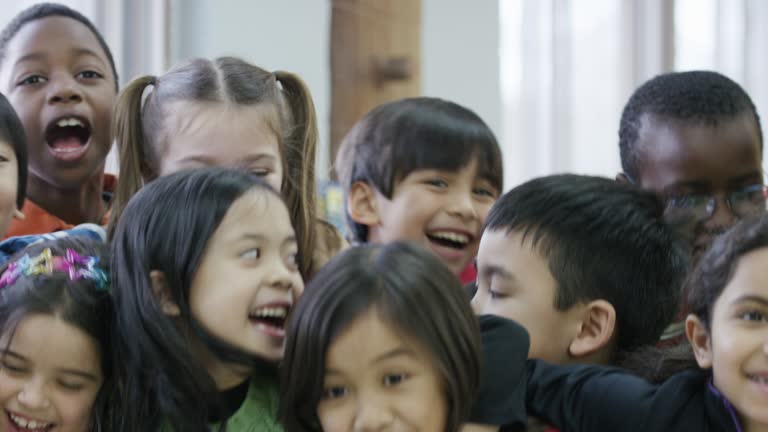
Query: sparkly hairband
(77, 266)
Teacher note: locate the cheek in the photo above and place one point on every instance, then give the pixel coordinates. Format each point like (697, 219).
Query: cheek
(339, 416)
(75, 410)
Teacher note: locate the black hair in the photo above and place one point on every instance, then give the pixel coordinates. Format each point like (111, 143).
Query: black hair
(698, 97)
(412, 291)
(602, 240)
(83, 303)
(166, 227)
(12, 132)
(46, 10)
(400, 137)
(706, 283)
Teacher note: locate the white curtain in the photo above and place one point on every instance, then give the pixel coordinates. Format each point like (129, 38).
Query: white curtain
(568, 67)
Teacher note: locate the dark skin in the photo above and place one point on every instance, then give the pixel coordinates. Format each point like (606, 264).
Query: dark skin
(676, 158)
(54, 67)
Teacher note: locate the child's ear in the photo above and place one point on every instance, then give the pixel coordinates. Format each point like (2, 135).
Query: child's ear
(597, 328)
(622, 178)
(698, 336)
(17, 214)
(361, 204)
(162, 294)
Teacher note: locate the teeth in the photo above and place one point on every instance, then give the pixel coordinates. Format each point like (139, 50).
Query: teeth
(29, 424)
(71, 121)
(451, 236)
(272, 312)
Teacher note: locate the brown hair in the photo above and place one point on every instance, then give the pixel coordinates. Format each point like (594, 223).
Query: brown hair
(141, 133)
(412, 291)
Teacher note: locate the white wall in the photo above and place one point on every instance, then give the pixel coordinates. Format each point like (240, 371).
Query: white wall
(460, 47)
(460, 54)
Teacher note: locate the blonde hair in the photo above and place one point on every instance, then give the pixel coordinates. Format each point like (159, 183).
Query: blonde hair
(141, 134)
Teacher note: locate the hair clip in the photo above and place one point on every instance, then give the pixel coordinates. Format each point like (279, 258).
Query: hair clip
(75, 265)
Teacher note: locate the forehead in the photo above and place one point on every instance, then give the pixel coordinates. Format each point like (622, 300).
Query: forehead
(750, 276)
(47, 340)
(220, 132)
(512, 252)
(365, 339)
(55, 34)
(673, 151)
(258, 212)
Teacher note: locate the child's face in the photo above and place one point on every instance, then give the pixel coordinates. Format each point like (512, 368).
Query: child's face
(248, 280)
(737, 350)
(50, 376)
(442, 210)
(215, 134)
(9, 182)
(60, 82)
(377, 380)
(678, 159)
(514, 282)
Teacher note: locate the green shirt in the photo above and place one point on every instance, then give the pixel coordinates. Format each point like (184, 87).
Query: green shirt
(258, 413)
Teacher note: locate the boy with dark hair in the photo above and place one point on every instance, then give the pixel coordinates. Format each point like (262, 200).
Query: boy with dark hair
(587, 265)
(59, 75)
(695, 138)
(421, 169)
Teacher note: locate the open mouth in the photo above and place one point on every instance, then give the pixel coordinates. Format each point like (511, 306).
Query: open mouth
(24, 424)
(449, 239)
(68, 137)
(271, 318)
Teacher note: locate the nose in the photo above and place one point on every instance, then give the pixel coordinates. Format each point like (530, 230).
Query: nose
(463, 206)
(372, 415)
(64, 89)
(283, 277)
(723, 217)
(33, 395)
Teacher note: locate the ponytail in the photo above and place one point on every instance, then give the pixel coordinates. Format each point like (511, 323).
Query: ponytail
(128, 132)
(299, 158)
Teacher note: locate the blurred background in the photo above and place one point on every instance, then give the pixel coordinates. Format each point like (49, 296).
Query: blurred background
(550, 77)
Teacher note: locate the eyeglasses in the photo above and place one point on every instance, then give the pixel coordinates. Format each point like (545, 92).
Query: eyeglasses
(744, 202)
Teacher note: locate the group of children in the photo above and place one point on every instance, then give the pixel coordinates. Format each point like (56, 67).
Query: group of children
(202, 291)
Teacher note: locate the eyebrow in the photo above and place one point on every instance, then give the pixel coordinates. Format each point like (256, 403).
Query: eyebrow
(497, 270)
(260, 237)
(393, 353)
(700, 185)
(751, 298)
(38, 56)
(79, 373)
(207, 160)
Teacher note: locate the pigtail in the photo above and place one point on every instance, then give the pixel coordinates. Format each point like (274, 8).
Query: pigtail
(299, 187)
(128, 132)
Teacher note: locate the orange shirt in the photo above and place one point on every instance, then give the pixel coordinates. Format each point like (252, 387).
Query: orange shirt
(38, 221)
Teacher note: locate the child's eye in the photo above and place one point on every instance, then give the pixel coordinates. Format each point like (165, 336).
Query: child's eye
(495, 295)
(437, 182)
(89, 74)
(394, 379)
(484, 192)
(260, 172)
(753, 316)
(12, 368)
(335, 392)
(251, 254)
(70, 386)
(293, 261)
(31, 80)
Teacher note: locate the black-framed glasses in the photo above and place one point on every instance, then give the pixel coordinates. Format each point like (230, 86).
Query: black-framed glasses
(744, 202)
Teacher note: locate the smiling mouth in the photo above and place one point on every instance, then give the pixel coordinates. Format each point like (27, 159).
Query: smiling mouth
(68, 137)
(23, 424)
(271, 319)
(449, 239)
